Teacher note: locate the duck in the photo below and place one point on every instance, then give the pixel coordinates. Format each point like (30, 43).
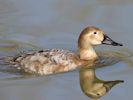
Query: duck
(50, 61)
(94, 87)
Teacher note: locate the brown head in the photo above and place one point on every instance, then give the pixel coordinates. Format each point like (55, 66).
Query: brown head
(95, 36)
(91, 36)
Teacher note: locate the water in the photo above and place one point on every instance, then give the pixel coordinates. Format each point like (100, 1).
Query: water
(31, 24)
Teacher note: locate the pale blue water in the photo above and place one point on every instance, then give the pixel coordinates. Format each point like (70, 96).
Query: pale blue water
(57, 23)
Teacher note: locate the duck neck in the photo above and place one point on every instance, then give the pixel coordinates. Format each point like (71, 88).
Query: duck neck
(87, 52)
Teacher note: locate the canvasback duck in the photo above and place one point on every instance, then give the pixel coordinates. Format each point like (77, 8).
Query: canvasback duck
(50, 61)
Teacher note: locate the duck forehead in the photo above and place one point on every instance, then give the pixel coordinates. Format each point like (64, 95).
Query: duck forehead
(90, 34)
(92, 29)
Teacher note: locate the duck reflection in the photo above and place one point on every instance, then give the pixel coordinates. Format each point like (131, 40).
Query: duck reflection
(94, 87)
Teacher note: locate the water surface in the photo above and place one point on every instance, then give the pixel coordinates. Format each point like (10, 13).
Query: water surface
(31, 24)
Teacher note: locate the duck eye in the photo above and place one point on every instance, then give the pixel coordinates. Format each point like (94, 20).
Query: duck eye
(98, 94)
(95, 32)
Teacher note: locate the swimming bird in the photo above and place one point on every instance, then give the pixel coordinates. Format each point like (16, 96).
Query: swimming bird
(94, 87)
(50, 61)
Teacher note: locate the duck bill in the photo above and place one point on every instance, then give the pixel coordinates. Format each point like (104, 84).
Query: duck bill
(108, 41)
(109, 84)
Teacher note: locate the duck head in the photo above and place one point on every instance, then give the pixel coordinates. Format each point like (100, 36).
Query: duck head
(89, 37)
(95, 36)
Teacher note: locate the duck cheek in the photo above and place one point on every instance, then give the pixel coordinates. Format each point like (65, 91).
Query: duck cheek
(96, 42)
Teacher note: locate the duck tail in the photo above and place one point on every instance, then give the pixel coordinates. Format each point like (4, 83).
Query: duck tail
(8, 59)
